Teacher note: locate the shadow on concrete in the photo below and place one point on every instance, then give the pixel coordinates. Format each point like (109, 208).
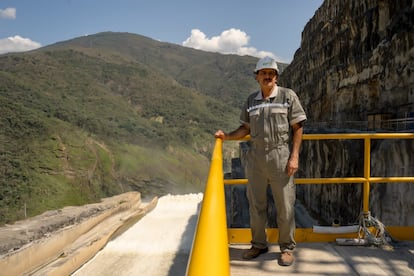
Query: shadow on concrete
(179, 265)
(328, 259)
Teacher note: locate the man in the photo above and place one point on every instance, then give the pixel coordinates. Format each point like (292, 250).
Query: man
(273, 116)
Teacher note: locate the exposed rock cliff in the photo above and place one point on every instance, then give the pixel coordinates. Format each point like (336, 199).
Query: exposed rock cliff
(356, 62)
(392, 202)
(356, 59)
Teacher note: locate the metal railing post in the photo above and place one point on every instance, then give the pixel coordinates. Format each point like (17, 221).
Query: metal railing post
(367, 174)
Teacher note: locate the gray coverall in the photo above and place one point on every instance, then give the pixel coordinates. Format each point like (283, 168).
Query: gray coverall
(266, 161)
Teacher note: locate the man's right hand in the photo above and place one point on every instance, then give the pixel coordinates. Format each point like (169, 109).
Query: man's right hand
(220, 134)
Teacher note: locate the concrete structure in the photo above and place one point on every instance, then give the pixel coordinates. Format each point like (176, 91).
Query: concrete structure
(160, 243)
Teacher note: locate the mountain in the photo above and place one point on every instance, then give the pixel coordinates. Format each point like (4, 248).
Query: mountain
(107, 113)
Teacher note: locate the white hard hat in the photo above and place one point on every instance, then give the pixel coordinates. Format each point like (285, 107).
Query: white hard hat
(266, 63)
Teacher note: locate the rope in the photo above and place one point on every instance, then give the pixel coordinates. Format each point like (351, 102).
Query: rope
(380, 237)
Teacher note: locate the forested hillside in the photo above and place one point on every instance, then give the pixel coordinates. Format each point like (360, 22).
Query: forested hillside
(108, 113)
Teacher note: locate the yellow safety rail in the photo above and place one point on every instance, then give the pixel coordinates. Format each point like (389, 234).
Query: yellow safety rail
(210, 253)
(367, 179)
(210, 256)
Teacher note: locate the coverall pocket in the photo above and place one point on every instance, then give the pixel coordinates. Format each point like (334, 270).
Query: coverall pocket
(254, 122)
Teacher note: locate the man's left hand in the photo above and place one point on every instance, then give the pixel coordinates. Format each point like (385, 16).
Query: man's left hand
(292, 166)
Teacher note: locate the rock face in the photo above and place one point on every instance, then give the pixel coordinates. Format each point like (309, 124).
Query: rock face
(393, 202)
(332, 158)
(355, 66)
(356, 60)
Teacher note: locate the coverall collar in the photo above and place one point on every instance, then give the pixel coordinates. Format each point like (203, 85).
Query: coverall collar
(259, 95)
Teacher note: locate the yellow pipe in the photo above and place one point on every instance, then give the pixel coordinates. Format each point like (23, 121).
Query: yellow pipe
(331, 180)
(367, 173)
(244, 236)
(210, 253)
(334, 180)
(235, 181)
(391, 179)
(345, 136)
(326, 180)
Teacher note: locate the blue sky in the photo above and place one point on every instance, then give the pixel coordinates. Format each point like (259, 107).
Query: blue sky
(256, 28)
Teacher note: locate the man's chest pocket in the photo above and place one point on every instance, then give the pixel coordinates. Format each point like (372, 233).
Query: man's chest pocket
(279, 118)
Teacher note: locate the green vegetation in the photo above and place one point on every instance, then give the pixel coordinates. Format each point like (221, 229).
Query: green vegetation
(108, 113)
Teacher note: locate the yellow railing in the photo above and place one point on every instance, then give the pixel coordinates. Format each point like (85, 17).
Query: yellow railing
(209, 254)
(366, 179)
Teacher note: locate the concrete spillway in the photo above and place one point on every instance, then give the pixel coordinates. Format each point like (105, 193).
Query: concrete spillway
(159, 244)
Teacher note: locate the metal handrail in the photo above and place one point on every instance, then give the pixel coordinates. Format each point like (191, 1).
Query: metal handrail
(367, 179)
(209, 254)
(401, 124)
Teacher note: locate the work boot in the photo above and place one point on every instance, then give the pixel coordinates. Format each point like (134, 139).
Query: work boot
(253, 252)
(286, 258)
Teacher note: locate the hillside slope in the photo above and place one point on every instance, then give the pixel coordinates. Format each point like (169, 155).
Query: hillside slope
(108, 113)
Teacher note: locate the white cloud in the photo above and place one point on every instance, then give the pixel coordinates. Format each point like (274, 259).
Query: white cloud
(231, 41)
(17, 44)
(8, 13)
